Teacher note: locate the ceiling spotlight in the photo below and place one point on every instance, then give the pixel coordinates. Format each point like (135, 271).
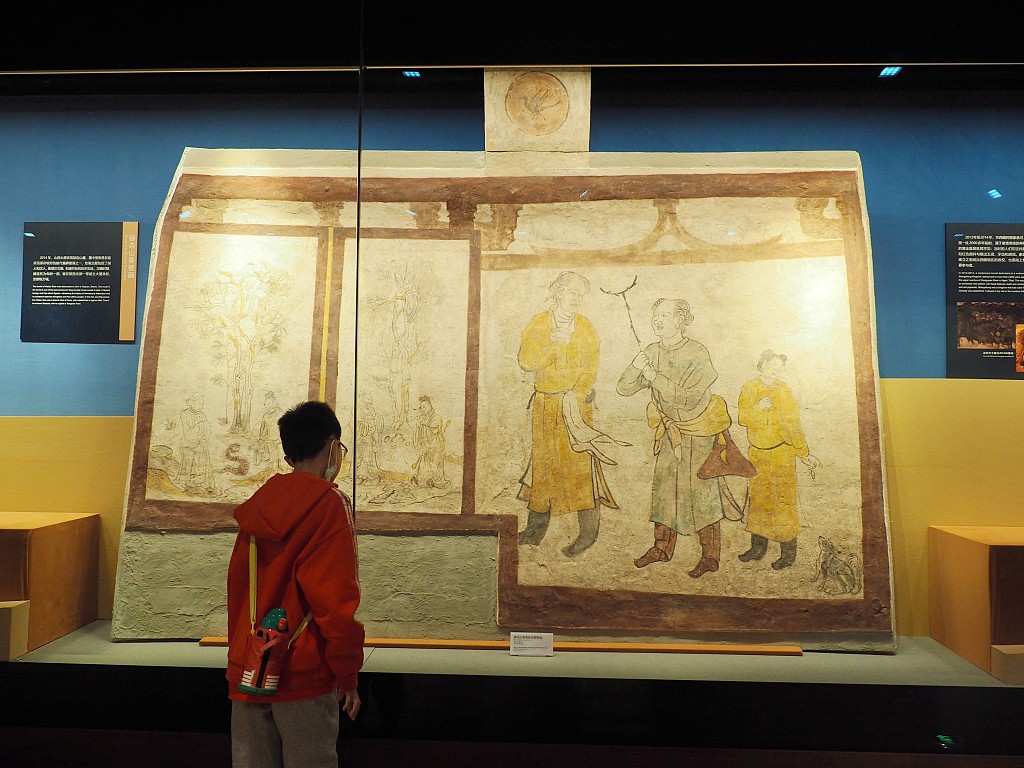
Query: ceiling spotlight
(410, 73)
(890, 71)
(995, 194)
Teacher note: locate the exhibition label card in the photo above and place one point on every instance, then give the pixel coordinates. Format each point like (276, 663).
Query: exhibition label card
(985, 301)
(532, 644)
(79, 282)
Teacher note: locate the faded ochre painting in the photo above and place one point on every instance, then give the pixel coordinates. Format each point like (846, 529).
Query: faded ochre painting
(235, 348)
(648, 380)
(792, 306)
(409, 415)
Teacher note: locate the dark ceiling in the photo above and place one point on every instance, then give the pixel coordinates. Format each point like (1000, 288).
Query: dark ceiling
(310, 47)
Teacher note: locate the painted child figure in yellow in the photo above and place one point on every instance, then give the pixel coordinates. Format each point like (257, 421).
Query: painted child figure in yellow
(561, 347)
(771, 415)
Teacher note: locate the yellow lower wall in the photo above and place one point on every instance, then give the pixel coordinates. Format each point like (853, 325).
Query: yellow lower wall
(953, 453)
(70, 464)
(953, 457)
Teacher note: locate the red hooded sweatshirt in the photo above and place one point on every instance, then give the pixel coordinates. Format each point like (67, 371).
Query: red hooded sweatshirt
(306, 560)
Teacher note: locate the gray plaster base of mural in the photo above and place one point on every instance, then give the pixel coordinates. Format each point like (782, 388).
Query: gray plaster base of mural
(171, 586)
(429, 586)
(445, 588)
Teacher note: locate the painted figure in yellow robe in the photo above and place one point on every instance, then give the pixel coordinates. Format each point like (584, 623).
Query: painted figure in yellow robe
(771, 415)
(564, 476)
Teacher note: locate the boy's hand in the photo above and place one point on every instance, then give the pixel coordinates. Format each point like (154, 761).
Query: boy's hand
(350, 702)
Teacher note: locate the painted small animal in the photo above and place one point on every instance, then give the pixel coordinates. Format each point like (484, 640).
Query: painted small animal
(835, 574)
(241, 463)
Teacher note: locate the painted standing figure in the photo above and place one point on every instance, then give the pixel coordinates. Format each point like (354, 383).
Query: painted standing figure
(430, 429)
(265, 449)
(195, 473)
(369, 435)
(771, 415)
(560, 346)
(687, 419)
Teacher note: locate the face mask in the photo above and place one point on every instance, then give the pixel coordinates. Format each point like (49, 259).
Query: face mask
(332, 469)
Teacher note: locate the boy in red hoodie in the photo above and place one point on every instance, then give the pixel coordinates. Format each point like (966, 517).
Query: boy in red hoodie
(306, 564)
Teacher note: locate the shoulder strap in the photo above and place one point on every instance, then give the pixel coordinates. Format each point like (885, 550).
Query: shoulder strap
(252, 596)
(302, 625)
(252, 583)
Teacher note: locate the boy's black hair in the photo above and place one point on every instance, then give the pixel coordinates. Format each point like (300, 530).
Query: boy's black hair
(306, 428)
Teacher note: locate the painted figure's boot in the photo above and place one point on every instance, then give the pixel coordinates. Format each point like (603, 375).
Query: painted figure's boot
(710, 550)
(590, 524)
(788, 556)
(758, 548)
(536, 527)
(664, 547)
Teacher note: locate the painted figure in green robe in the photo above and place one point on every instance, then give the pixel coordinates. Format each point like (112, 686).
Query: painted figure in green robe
(677, 373)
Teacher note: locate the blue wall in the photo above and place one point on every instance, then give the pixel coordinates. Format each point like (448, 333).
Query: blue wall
(928, 158)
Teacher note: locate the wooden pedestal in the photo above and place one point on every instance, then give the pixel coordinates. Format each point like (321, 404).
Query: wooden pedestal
(51, 559)
(1008, 663)
(13, 629)
(976, 578)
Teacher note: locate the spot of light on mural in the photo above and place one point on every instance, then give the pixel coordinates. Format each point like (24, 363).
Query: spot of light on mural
(819, 300)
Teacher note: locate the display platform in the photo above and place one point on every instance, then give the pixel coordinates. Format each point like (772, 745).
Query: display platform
(919, 661)
(438, 706)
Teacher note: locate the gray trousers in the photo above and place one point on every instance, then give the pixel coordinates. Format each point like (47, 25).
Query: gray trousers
(286, 734)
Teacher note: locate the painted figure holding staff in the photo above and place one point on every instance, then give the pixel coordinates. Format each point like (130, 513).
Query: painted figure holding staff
(687, 420)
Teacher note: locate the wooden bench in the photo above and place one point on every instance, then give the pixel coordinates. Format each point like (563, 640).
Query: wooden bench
(50, 560)
(975, 580)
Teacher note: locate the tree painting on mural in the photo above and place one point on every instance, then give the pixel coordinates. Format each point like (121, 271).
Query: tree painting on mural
(227, 348)
(240, 323)
(409, 417)
(243, 316)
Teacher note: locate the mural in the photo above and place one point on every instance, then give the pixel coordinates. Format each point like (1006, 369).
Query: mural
(651, 379)
(411, 338)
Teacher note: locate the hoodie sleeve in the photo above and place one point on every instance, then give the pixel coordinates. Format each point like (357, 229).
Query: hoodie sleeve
(329, 579)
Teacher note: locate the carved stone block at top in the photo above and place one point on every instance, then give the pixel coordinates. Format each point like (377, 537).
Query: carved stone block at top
(976, 574)
(536, 110)
(51, 559)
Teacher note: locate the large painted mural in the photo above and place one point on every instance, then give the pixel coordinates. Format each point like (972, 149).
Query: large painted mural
(649, 380)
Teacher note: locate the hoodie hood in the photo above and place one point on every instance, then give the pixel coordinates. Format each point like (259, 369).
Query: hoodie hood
(280, 504)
